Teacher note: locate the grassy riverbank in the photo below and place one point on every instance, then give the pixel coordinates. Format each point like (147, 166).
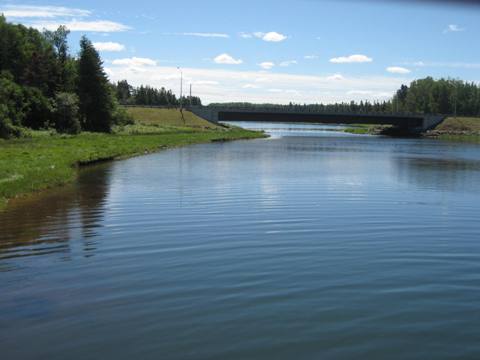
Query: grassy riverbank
(46, 160)
(366, 129)
(464, 129)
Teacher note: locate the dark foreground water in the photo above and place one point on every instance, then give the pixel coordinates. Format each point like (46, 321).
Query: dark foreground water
(309, 245)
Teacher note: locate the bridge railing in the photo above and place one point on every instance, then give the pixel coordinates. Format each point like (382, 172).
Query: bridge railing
(301, 110)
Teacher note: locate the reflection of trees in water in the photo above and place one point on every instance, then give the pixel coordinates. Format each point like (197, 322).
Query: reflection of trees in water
(46, 224)
(443, 174)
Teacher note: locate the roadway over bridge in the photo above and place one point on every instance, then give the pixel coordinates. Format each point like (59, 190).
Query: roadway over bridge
(406, 123)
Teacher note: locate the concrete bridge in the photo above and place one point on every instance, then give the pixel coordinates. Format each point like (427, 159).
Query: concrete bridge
(405, 123)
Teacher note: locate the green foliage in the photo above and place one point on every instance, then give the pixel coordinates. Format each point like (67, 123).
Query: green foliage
(12, 106)
(96, 105)
(66, 113)
(443, 96)
(38, 109)
(150, 96)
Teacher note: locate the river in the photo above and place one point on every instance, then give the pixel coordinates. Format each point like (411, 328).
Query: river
(313, 244)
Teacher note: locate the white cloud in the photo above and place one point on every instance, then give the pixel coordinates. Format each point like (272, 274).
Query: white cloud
(288, 63)
(453, 28)
(135, 61)
(244, 35)
(227, 59)
(266, 65)
(103, 26)
(453, 65)
(45, 12)
(51, 17)
(109, 46)
(336, 77)
(206, 35)
(275, 90)
(351, 59)
(253, 86)
(271, 36)
(359, 92)
(206, 82)
(310, 57)
(398, 70)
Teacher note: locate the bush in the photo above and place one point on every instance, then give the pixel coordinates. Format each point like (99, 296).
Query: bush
(66, 113)
(12, 107)
(122, 117)
(39, 109)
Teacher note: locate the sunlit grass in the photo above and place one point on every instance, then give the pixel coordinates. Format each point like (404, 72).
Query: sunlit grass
(46, 159)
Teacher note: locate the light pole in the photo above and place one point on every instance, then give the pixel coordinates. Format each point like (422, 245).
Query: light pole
(181, 87)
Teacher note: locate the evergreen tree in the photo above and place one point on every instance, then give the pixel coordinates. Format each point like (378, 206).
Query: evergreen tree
(96, 104)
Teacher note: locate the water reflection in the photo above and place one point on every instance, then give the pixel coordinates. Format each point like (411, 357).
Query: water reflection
(440, 174)
(49, 222)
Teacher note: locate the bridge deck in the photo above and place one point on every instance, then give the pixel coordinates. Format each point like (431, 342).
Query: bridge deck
(412, 123)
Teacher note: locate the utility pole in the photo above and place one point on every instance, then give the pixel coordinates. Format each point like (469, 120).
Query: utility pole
(456, 97)
(190, 95)
(181, 88)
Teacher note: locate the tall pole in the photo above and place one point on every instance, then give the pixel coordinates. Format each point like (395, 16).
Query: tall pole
(181, 87)
(456, 99)
(190, 94)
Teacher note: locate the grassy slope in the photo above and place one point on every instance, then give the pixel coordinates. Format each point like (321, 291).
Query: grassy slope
(168, 117)
(458, 129)
(44, 161)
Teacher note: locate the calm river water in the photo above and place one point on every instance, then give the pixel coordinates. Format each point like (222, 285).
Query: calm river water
(312, 244)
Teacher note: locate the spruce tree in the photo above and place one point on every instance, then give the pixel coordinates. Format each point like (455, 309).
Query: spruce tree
(96, 105)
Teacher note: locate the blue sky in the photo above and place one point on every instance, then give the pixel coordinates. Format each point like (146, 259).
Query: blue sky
(270, 51)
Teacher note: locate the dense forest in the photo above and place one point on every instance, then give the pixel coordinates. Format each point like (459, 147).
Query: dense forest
(146, 95)
(42, 86)
(424, 96)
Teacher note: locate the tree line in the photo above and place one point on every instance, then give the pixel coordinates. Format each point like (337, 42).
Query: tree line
(424, 96)
(150, 96)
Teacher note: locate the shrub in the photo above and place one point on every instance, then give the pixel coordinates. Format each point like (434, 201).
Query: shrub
(39, 109)
(66, 113)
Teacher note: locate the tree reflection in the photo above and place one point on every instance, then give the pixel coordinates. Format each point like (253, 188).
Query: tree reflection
(51, 222)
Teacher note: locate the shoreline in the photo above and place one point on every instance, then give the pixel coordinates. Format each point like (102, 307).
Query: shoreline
(29, 166)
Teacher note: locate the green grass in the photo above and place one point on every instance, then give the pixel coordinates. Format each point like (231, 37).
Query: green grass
(361, 129)
(43, 161)
(460, 124)
(460, 129)
(168, 117)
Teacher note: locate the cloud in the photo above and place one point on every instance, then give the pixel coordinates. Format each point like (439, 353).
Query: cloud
(244, 35)
(109, 46)
(351, 59)
(267, 65)
(336, 77)
(453, 28)
(227, 60)
(271, 36)
(45, 12)
(398, 70)
(51, 17)
(453, 65)
(359, 92)
(135, 61)
(288, 63)
(103, 26)
(206, 82)
(310, 57)
(253, 86)
(206, 35)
